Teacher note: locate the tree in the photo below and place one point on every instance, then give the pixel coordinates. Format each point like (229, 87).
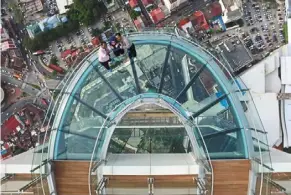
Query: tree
(18, 16)
(54, 60)
(87, 11)
(133, 14)
(96, 32)
(54, 73)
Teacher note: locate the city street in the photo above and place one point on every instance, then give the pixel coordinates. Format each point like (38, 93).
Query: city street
(25, 87)
(16, 107)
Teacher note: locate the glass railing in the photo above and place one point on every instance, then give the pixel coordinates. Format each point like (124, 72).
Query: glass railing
(234, 92)
(199, 149)
(261, 159)
(156, 45)
(40, 168)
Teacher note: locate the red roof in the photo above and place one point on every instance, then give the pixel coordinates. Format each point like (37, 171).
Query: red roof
(75, 53)
(183, 22)
(9, 126)
(138, 24)
(95, 41)
(200, 21)
(66, 53)
(133, 3)
(147, 2)
(157, 15)
(216, 9)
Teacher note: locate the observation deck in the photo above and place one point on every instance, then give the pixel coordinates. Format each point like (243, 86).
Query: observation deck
(171, 121)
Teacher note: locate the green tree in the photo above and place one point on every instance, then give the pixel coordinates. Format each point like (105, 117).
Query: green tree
(285, 32)
(54, 60)
(96, 32)
(133, 14)
(18, 16)
(54, 73)
(87, 11)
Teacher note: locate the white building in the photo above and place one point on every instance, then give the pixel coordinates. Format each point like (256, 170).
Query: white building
(4, 34)
(62, 5)
(265, 84)
(173, 4)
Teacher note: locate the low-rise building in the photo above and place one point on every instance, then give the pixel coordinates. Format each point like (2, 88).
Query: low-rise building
(234, 53)
(33, 30)
(139, 23)
(157, 15)
(8, 44)
(199, 21)
(30, 7)
(45, 24)
(173, 4)
(231, 10)
(63, 5)
(4, 34)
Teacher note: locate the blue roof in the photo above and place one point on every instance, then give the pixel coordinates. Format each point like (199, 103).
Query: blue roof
(49, 23)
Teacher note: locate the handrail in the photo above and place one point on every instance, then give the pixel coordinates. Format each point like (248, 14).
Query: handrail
(264, 165)
(101, 184)
(126, 107)
(6, 177)
(237, 88)
(277, 186)
(42, 164)
(208, 156)
(34, 181)
(97, 165)
(49, 115)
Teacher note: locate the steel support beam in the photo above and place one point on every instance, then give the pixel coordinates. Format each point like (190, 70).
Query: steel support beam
(193, 79)
(164, 68)
(90, 107)
(135, 76)
(87, 105)
(218, 133)
(208, 106)
(109, 85)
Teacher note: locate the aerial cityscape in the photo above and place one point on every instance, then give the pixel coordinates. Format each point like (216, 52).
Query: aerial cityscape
(132, 97)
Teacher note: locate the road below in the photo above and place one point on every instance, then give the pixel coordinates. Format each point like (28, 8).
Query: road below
(25, 87)
(43, 93)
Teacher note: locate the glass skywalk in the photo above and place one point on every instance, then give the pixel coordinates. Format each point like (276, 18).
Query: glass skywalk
(166, 64)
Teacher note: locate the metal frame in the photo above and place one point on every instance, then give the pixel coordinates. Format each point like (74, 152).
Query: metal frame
(193, 79)
(106, 81)
(164, 68)
(132, 64)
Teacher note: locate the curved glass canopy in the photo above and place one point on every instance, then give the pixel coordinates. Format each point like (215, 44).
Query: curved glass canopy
(165, 64)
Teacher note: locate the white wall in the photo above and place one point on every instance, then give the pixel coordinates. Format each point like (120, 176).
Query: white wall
(268, 109)
(150, 164)
(170, 6)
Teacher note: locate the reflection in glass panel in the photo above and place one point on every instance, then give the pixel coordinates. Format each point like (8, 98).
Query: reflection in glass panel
(223, 137)
(174, 80)
(81, 123)
(149, 65)
(123, 82)
(149, 140)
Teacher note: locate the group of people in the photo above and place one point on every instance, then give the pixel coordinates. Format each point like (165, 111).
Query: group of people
(118, 45)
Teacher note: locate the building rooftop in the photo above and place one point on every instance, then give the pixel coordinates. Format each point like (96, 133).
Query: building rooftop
(235, 53)
(157, 15)
(63, 4)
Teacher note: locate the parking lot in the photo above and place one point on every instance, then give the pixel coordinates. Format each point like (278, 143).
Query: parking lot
(263, 30)
(51, 7)
(83, 36)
